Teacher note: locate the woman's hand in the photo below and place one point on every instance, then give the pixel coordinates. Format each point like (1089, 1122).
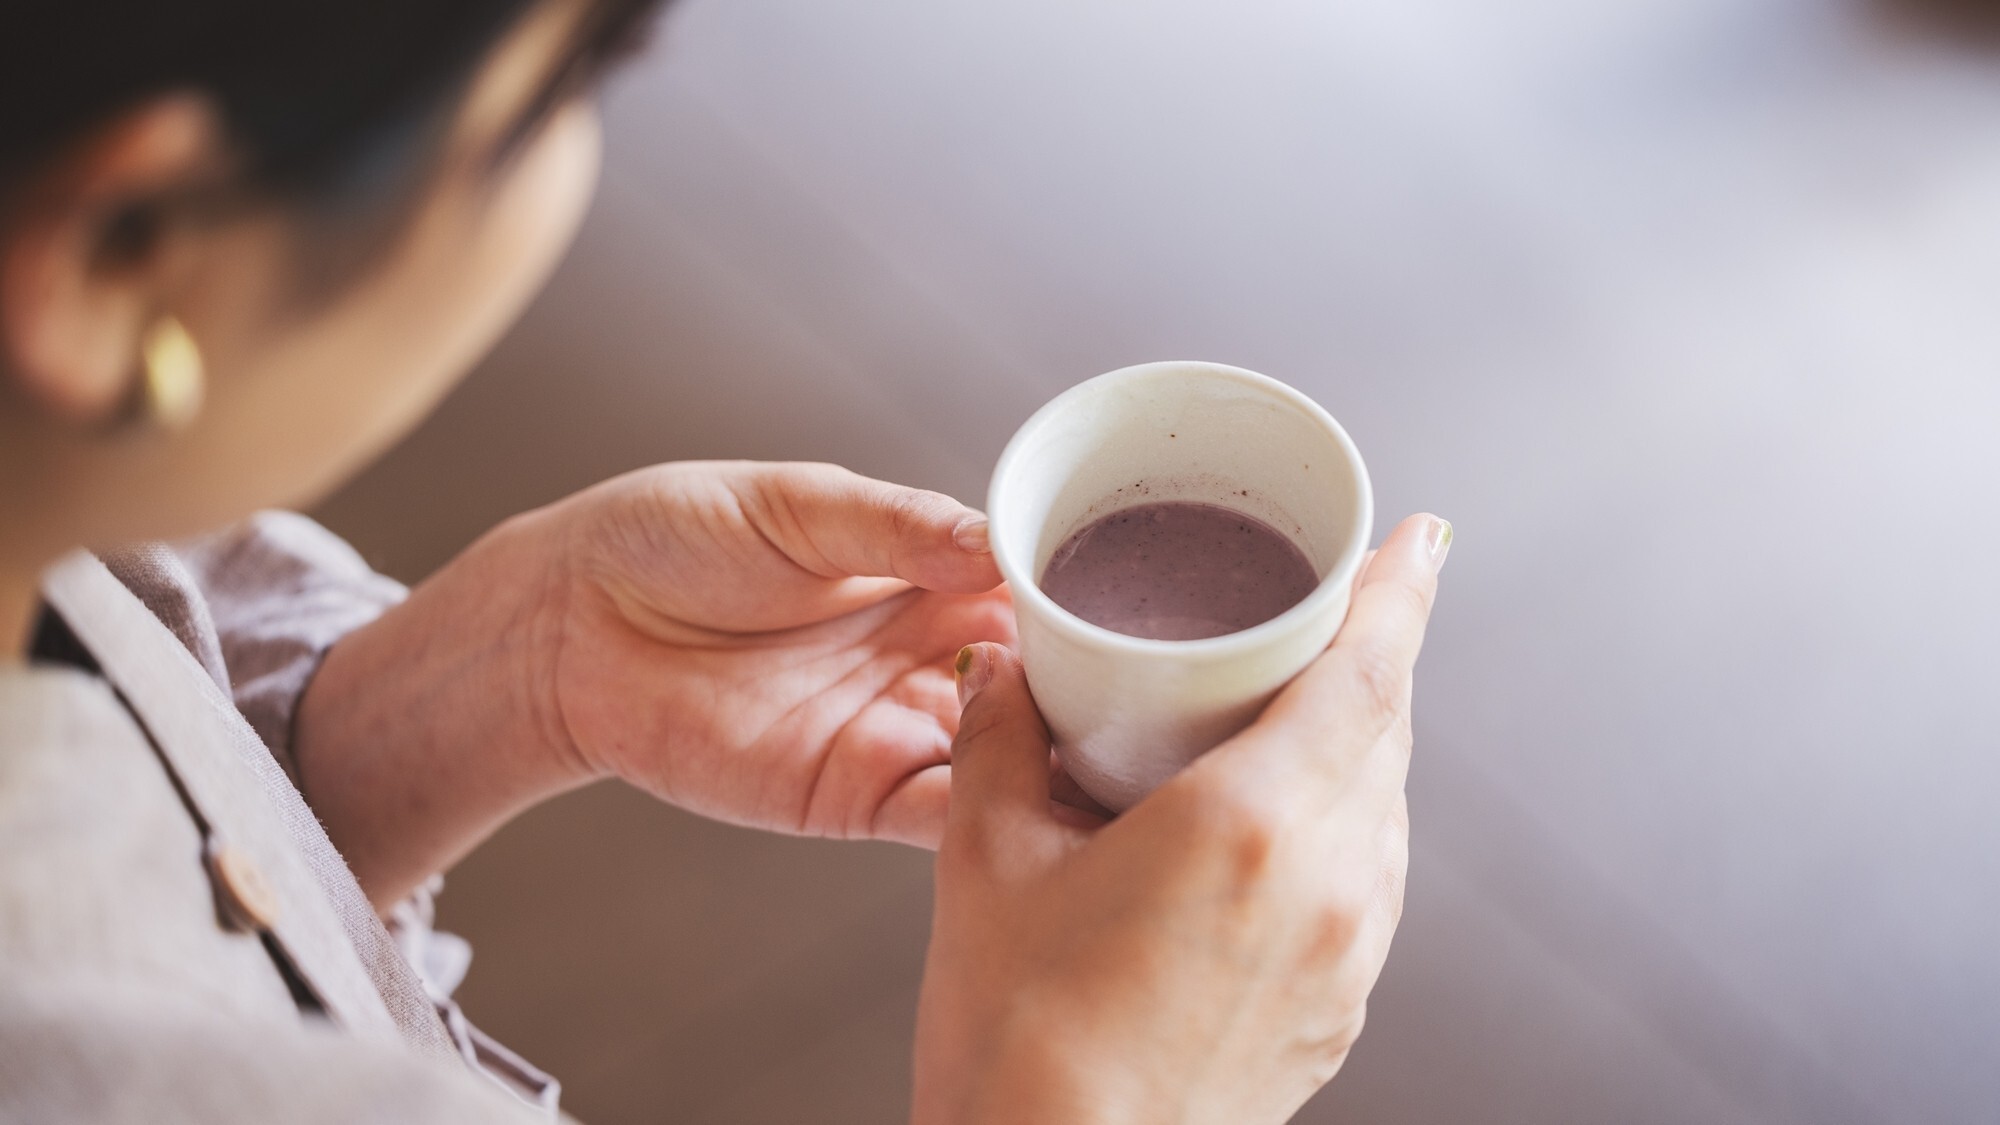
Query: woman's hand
(770, 644)
(765, 644)
(1206, 957)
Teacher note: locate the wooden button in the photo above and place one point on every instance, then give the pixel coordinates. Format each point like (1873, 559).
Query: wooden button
(242, 892)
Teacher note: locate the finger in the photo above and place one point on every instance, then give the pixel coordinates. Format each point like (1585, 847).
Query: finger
(1377, 932)
(940, 625)
(914, 812)
(1393, 876)
(938, 698)
(1360, 572)
(840, 524)
(1327, 726)
(902, 756)
(1392, 602)
(1363, 682)
(1000, 759)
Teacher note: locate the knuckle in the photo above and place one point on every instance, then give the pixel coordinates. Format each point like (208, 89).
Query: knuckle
(1411, 599)
(1399, 819)
(1394, 882)
(1381, 682)
(821, 475)
(1348, 1031)
(1340, 905)
(1246, 826)
(913, 512)
(972, 852)
(1332, 1034)
(774, 507)
(1391, 882)
(981, 722)
(1252, 848)
(1339, 918)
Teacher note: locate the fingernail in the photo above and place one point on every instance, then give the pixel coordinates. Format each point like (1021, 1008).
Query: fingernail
(974, 669)
(1438, 542)
(971, 534)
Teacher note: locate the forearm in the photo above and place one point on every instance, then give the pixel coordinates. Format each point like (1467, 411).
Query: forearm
(426, 730)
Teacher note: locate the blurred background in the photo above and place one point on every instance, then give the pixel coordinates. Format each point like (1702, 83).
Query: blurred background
(1686, 312)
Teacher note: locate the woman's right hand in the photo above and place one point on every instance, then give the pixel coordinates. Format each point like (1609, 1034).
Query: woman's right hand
(1206, 957)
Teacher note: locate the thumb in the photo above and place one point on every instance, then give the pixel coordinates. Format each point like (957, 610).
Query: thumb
(840, 524)
(1000, 759)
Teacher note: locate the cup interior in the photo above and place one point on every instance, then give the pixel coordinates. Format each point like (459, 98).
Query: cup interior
(1179, 432)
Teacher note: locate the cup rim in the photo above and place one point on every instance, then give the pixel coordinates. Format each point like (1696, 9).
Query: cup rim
(1337, 584)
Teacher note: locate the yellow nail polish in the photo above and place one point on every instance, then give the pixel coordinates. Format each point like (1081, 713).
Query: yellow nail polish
(1438, 543)
(974, 670)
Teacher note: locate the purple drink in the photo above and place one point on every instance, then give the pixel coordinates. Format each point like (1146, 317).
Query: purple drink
(1178, 571)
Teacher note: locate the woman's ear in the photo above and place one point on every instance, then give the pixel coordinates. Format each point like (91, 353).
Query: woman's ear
(89, 255)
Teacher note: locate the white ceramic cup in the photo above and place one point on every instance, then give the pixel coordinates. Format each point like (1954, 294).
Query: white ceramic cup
(1126, 712)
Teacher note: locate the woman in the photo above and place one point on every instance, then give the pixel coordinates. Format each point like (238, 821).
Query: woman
(243, 246)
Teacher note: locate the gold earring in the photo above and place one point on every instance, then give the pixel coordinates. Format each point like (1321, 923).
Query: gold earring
(172, 378)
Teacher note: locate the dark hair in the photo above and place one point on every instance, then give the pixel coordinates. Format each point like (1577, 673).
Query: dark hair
(327, 100)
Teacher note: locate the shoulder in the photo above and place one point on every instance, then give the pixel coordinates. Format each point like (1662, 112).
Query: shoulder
(276, 551)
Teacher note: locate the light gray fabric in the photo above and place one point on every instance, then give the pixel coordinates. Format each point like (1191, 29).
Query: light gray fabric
(101, 878)
(122, 999)
(324, 923)
(111, 792)
(92, 1054)
(259, 604)
(279, 590)
(157, 577)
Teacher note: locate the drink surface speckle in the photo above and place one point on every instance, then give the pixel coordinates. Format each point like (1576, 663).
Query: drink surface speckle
(1178, 571)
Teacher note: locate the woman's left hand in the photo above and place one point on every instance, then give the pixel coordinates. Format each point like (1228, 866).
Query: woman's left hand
(768, 644)
(764, 644)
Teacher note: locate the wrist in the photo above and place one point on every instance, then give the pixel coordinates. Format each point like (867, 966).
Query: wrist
(1025, 1069)
(428, 728)
(506, 601)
